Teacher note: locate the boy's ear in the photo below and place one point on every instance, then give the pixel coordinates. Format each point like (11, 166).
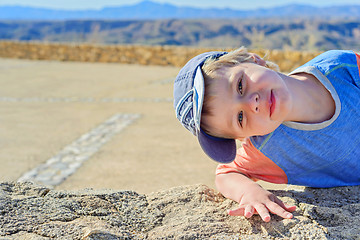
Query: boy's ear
(258, 59)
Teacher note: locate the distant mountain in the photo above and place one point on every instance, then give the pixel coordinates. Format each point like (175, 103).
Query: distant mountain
(303, 34)
(151, 10)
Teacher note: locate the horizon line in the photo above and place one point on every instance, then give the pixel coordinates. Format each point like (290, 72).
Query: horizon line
(178, 6)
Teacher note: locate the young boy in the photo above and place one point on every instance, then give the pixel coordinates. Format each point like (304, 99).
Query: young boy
(301, 128)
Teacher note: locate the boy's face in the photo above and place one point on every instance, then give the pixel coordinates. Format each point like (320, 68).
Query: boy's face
(249, 100)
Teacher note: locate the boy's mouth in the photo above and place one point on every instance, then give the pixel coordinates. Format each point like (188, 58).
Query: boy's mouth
(272, 103)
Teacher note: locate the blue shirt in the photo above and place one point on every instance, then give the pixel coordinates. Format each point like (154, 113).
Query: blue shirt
(324, 154)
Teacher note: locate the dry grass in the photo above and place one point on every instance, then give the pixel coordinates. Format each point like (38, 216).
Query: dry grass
(135, 54)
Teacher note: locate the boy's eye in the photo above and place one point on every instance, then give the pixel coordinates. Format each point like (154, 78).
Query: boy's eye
(240, 87)
(240, 118)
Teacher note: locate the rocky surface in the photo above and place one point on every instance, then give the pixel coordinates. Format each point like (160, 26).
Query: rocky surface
(29, 211)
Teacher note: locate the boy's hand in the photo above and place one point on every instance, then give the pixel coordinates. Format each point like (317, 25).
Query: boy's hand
(257, 200)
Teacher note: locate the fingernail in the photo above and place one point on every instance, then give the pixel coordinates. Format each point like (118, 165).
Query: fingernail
(289, 215)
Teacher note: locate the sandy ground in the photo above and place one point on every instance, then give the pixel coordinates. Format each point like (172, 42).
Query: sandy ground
(151, 154)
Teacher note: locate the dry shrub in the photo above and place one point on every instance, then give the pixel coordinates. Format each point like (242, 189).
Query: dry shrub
(135, 54)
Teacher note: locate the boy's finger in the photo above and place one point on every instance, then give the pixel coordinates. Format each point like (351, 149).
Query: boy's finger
(236, 212)
(278, 210)
(290, 208)
(286, 207)
(249, 211)
(263, 212)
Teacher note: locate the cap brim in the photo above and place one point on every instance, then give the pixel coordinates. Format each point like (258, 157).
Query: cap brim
(219, 149)
(198, 97)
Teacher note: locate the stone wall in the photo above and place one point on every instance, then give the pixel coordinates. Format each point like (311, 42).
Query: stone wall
(133, 54)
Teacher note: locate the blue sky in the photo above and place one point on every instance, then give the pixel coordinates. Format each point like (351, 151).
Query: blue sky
(236, 4)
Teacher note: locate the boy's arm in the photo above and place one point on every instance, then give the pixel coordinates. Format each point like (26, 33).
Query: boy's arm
(252, 198)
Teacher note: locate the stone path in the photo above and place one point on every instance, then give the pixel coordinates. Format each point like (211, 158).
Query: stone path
(82, 100)
(56, 169)
(51, 114)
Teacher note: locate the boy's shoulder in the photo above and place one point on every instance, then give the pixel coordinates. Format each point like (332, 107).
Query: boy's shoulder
(333, 58)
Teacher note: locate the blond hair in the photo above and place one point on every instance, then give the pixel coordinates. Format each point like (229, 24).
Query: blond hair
(211, 72)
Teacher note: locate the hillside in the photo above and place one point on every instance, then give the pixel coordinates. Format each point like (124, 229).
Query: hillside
(302, 34)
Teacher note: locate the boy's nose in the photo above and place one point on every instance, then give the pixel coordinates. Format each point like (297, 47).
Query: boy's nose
(253, 102)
